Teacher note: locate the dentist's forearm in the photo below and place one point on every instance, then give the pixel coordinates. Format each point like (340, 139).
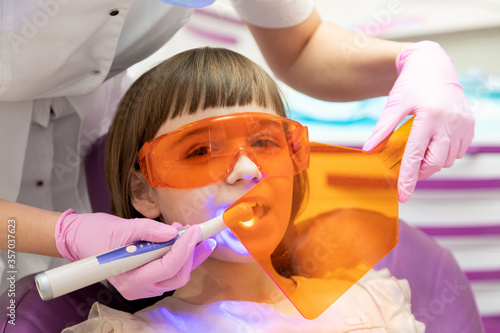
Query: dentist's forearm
(27, 229)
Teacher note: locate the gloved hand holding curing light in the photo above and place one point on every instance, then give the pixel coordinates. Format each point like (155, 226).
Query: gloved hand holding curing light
(441, 131)
(80, 236)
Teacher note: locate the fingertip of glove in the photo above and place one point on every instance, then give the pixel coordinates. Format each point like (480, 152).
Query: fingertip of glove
(203, 251)
(210, 244)
(192, 234)
(378, 135)
(177, 225)
(205, 248)
(402, 198)
(372, 141)
(368, 146)
(404, 195)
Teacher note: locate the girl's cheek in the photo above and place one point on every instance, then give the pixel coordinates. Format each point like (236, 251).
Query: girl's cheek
(192, 206)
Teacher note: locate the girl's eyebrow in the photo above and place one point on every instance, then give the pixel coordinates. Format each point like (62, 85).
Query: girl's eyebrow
(190, 133)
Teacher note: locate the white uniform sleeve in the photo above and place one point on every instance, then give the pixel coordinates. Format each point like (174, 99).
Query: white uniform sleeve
(274, 13)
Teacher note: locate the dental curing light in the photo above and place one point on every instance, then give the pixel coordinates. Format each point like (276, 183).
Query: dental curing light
(67, 278)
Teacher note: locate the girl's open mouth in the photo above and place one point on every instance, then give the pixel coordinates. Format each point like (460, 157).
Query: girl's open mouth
(259, 210)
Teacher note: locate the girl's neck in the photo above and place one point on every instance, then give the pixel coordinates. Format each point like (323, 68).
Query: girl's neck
(217, 280)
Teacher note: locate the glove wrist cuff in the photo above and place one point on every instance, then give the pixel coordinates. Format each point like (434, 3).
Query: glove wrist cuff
(61, 235)
(426, 47)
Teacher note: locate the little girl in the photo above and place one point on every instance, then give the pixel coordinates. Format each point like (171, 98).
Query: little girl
(190, 137)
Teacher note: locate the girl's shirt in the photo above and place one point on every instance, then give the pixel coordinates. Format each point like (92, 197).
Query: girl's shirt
(378, 303)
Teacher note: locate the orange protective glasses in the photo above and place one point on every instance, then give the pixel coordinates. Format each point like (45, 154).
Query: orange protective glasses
(205, 151)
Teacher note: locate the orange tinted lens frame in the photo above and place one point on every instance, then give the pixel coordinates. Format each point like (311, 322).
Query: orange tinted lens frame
(204, 152)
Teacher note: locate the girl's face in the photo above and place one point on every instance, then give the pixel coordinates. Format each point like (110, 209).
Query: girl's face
(197, 205)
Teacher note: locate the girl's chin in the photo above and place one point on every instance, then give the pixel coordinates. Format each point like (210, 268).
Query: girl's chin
(229, 248)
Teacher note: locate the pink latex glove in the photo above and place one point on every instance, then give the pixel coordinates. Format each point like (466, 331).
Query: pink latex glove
(443, 127)
(80, 236)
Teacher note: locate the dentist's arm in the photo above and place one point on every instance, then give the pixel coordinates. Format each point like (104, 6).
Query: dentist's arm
(77, 236)
(31, 228)
(328, 62)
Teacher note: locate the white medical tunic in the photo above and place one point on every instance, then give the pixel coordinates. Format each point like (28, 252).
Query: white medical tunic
(53, 55)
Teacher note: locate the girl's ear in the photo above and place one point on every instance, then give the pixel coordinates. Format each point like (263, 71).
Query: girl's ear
(142, 196)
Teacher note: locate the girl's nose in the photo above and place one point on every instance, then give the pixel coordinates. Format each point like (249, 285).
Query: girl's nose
(244, 169)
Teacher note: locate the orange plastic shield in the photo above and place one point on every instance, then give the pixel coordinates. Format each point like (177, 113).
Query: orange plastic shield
(321, 235)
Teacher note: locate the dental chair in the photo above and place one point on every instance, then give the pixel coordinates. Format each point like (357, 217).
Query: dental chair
(441, 295)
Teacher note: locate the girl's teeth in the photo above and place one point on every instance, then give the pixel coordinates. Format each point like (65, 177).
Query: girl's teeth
(259, 210)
